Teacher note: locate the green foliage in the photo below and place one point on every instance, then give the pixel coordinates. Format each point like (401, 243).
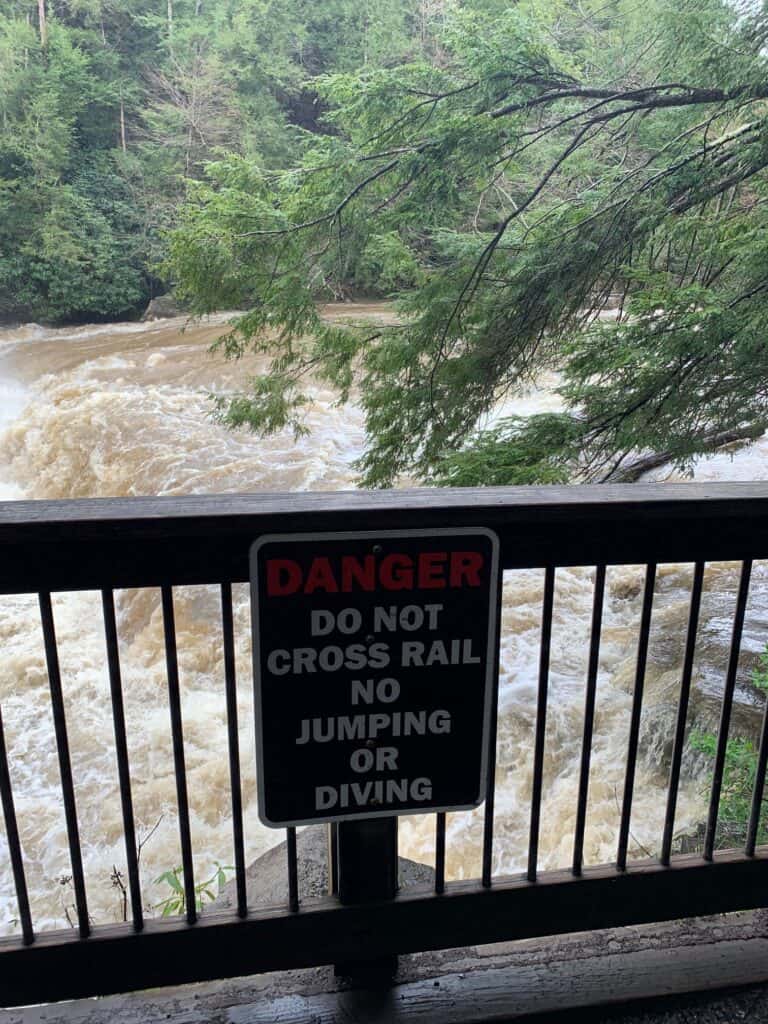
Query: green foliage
(516, 451)
(530, 161)
(73, 249)
(387, 264)
(739, 771)
(110, 111)
(205, 892)
(736, 795)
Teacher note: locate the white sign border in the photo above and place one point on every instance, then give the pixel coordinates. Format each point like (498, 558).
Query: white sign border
(491, 665)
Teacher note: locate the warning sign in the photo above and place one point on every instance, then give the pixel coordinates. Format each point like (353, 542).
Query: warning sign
(374, 662)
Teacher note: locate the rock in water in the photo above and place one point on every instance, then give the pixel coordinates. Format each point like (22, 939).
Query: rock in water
(162, 307)
(267, 877)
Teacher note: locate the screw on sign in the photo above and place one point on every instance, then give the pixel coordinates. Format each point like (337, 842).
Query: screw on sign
(374, 666)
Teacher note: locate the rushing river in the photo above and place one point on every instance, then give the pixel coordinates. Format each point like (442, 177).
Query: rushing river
(124, 409)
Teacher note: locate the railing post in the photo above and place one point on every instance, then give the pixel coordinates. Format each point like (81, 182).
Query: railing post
(333, 858)
(366, 871)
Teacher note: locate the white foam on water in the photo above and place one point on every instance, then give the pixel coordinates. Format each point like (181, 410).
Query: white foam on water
(748, 462)
(13, 399)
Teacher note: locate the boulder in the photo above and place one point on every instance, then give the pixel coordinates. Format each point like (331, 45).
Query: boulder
(267, 876)
(162, 307)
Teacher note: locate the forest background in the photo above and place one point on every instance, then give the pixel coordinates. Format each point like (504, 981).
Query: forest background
(502, 169)
(110, 108)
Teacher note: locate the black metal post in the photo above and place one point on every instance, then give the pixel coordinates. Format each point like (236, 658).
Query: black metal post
(333, 858)
(367, 872)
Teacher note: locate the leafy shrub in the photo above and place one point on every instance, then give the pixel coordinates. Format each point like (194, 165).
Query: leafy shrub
(205, 892)
(739, 773)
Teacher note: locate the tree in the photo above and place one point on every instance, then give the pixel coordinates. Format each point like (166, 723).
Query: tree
(70, 239)
(42, 23)
(144, 93)
(543, 157)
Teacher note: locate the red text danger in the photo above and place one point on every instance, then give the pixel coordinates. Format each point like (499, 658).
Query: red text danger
(345, 574)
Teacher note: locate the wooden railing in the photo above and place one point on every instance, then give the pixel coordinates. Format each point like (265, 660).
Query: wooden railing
(105, 545)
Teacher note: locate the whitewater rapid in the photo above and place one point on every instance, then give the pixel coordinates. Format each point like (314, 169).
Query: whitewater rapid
(125, 410)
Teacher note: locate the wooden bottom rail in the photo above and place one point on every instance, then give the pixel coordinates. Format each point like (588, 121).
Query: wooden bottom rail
(114, 959)
(502, 982)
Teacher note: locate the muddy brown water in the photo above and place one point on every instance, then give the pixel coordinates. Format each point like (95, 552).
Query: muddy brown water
(124, 409)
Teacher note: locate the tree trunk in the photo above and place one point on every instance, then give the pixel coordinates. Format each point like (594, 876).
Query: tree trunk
(631, 472)
(170, 25)
(42, 22)
(122, 126)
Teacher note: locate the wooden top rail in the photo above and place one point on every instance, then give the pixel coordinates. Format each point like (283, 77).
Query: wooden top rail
(142, 542)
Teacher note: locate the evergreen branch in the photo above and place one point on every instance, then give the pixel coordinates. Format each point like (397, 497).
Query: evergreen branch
(645, 98)
(328, 217)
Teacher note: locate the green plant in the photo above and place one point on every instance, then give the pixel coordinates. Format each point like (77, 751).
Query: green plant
(760, 675)
(176, 901)
(739, 773)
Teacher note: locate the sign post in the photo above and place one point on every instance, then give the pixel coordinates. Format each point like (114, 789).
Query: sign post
(374, 662)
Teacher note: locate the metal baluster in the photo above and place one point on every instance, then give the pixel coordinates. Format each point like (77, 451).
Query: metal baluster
(440, 853)
(541, 721)
(490, 778)
(14, 843)
(230, 679)
(682, 712)
(177, 733)
(589, 717)
(293, 870)
(65, 764)
(121, 751)
(759, 788)
(725, 714)
(333, 858)
(634, 725)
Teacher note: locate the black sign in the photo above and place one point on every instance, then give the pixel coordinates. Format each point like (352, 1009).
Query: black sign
(374, 662)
